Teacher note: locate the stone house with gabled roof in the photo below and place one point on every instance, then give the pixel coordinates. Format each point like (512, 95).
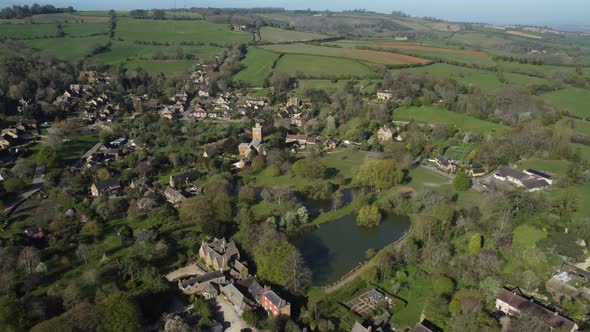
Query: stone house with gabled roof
(184, 178)
(99, 188)
(219, 254)
(514, 304)
(384, 134)
(384, 94)
(240, 302)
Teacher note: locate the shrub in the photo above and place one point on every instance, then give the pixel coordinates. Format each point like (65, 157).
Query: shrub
(368, 216)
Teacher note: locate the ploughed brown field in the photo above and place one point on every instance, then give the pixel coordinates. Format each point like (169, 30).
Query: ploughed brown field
(523, 34)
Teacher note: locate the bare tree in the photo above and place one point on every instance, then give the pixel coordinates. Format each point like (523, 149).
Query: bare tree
(299, 275)
(28, 259)
(82, 252)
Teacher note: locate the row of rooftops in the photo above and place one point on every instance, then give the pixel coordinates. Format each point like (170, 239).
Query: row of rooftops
(514, 303)
(530, 179)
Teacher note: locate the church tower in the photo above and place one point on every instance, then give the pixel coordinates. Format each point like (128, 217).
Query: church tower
(257, 133)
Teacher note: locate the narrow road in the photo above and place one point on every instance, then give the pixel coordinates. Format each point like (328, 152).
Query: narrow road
(38, 180)
(224, 312)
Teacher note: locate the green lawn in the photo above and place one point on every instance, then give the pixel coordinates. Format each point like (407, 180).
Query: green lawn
(346, 161)
(311, 66)
(276, 35)
(554, 167)
(174, 32)
(575, 101)
(460, 151)
(295, 182)
(416, 292)
(423, 179)
(525, 254)
(527, 236)
(431, 114)
(79, 142)
(68, 49)
(257, 66)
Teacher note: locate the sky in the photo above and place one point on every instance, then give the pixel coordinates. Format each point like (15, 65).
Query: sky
(550, 12)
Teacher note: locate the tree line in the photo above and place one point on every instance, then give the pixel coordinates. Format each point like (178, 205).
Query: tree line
(36, 9)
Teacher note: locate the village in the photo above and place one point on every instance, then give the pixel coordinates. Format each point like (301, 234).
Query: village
(219, 272)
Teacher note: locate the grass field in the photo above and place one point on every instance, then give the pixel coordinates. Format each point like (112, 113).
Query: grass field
(257, 66)
(581, 126)
(407, 46)
(422, 179)
(584, 150)
(461, 121)
(275, 35)
(489, 82)
(29, 31)
(175, 32)
(426, 51)
(60, 18)
(383, 58)
(572, 100)
(346, 161)
(480, 40)
(311, 66)
(69, 49)
(536, 70)
(122, 52)
(553, 167)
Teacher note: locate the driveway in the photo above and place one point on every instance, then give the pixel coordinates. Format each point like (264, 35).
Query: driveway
(187, 271)
(224, 312)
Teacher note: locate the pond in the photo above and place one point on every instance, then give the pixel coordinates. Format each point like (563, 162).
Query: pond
(316, 207)
(337, 247)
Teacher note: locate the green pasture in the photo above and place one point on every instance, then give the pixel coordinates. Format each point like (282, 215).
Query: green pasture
(384, 58)
(553, 167)
(276, 35)
(431, 114)
(122, 52)
(174, 32)
(68, 49)
(311, 66)
(575, 101)
(257, 66)
(29, 31)
(489, 82)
